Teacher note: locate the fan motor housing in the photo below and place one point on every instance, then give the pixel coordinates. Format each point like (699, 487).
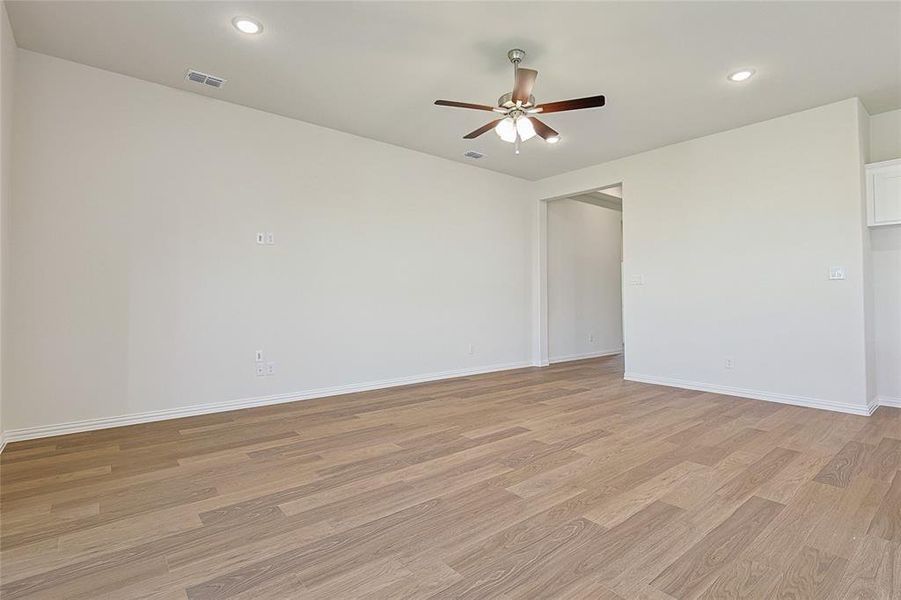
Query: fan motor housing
(506, 101)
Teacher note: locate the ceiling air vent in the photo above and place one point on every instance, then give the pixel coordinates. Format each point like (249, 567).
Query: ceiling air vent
(204, 78)
(473, 155)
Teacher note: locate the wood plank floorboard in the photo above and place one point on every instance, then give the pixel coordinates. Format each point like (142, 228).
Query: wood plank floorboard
(565, 482)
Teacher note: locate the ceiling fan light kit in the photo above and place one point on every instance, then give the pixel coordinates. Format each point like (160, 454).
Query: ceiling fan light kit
(519, 108)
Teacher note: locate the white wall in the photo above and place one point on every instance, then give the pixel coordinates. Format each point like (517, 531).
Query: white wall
(885, 136)
(885, 245)
(886, 255)
(7, 94)
(734, 234)
(584, 282)
(862, 154)
(137, 285)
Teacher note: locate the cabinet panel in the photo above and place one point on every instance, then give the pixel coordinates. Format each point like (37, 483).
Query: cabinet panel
(887, 197)
(884, 193)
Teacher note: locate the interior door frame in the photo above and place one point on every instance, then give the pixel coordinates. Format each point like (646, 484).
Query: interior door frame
(540, 341)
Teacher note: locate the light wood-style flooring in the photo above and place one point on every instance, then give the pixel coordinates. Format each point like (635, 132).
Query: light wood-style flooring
(558, 483)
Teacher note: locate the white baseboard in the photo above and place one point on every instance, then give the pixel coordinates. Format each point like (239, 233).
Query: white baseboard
(889, 401)
(30, 433)
(569, 357)
(845, 407)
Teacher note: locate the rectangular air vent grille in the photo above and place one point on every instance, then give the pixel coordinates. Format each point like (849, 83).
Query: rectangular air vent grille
(204, 78)
(473, 155)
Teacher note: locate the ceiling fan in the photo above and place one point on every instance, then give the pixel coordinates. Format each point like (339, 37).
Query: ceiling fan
(519, 122)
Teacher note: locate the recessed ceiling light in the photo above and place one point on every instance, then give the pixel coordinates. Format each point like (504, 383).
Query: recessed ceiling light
(739, 76)
(553, 140)
(247, 25)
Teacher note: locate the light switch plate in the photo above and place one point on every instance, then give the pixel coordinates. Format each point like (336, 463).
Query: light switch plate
(836, 273)
(636, 280)
(261, 237)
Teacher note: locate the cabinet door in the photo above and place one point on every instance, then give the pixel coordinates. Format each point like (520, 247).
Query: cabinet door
(884, 191)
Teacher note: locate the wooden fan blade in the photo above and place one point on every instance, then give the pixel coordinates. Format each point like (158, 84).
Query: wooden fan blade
(542, 129)
(522, 89)
(480, 130)
(464, 105)
(578, 103)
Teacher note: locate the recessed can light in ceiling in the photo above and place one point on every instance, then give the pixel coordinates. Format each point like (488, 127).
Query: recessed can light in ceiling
(742, 75)
(247, 25)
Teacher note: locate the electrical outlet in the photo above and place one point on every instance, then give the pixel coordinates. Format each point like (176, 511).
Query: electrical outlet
(270, 368)
(261, 370)
(636, 280)
(590, 338)
(729, 363)
(259, 356)
(261, 237)
(836, 273)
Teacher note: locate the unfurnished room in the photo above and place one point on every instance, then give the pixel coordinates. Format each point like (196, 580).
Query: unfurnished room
(388, 300)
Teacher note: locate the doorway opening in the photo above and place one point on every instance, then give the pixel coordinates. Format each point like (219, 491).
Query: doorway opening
(581, 284)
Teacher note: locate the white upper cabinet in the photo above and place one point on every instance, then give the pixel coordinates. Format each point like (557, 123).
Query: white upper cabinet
(884, 193)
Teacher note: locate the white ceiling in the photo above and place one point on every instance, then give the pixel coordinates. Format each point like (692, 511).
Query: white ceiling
(374, 68)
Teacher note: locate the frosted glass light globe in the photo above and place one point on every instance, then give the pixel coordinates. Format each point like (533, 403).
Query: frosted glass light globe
(506, 130)
(525, 128)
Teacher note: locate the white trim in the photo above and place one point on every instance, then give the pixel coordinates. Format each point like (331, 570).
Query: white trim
(884, 163)
(569, 357)
(3, 441)
(29, 433)
(540, 310)
(845, 407)
(889, 401)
